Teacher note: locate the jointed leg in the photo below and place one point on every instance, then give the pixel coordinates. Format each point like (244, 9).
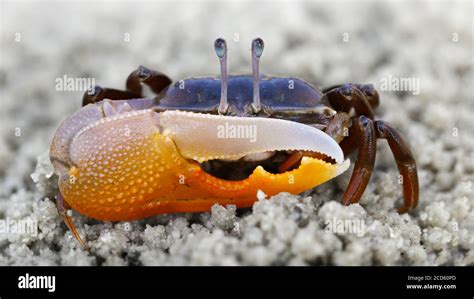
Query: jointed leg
(348, 96)
(363, 134)
(155, 80)
(98, 93)
(341, 95)
(366, 132)
(351, 142)
(63, 207)
(405, 162)
(292, 160)
(365, 159)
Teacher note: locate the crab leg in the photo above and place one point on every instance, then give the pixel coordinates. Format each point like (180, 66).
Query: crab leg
(367, 132)
(405, 163)
(97, 93)
(290, 162)
(365, 160)
(348, 96)
(63, 208)
(155, 80)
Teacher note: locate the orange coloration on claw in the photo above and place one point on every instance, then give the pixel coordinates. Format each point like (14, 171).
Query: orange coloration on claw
(311, 173)
(127, 169)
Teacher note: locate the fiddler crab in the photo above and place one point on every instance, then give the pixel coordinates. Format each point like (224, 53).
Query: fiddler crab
(202, 141)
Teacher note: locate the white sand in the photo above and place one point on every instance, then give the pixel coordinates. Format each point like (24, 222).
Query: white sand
(431, 42)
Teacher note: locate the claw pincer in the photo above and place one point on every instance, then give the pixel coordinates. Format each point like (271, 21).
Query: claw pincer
(122, 160)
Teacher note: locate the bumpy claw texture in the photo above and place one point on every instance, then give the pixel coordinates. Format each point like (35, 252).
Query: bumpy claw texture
(135, 164)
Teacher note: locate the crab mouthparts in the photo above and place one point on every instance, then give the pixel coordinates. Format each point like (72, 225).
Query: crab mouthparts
(231, 147)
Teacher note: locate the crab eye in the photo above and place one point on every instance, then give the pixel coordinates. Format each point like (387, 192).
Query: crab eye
(258, 46)
(221, 51)
(257, 51)
(220, 47)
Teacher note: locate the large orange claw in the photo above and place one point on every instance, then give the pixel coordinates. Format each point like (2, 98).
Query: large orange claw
(118, 163)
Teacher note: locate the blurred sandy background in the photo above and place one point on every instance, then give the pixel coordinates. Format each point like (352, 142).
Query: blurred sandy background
(323, 42)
